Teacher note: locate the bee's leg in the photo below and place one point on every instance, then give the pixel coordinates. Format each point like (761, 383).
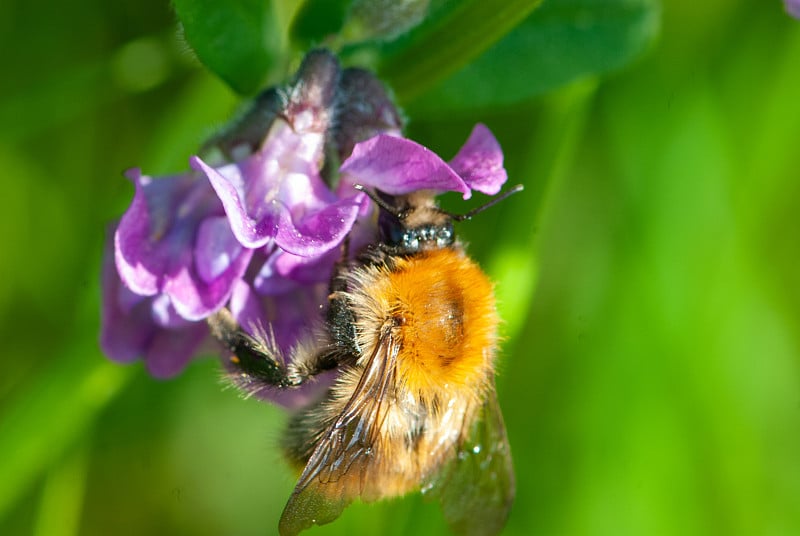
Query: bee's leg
(251, 357)
(345, 249)
(340, 319)
(258, 364)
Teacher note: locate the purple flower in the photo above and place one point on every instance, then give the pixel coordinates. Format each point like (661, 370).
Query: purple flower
(277, 195)
(283, 272)
(793, 8)
(480, 162)
(399, 166)
(173, 239)
(136, 326)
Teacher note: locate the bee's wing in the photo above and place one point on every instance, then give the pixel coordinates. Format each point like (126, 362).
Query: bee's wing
(476, 488)
(335, 473)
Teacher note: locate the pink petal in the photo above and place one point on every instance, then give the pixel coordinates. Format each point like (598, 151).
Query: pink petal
(480, 162)
(252, 229)
(399, 166)
(321, 231)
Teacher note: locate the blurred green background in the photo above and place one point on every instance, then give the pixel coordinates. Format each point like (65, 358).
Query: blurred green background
(648, 276)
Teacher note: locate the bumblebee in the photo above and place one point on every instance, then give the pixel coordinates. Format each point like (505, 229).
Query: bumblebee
(412, 328)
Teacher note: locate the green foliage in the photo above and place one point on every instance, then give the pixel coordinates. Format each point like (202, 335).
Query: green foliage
(561, 41)
(316, 21)
(464, 55)
(235, 39)
(383, 20)
(647, 275)
(452, 38)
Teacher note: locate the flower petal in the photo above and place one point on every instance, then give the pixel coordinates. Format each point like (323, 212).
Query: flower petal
(793, 8)
(253, 227)
(480, 162)
(171, 350)
(164, 313)
(134, 326)
(170, 240)
(321, 231)
(126, 324)
(283, 272)
(150, 238)
(399, 166)
(216, 248)
(277, 194)
(283, 173)
(194, 298)
(268, 281)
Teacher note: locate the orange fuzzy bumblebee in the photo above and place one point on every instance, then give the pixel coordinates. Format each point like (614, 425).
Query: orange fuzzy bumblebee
(412, 328)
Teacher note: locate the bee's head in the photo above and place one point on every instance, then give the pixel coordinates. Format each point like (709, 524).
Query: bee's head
(411, 223)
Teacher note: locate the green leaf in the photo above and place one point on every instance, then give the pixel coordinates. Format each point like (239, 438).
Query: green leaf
(451, 38)
(316, 21)
(383, 20)
(235, 39)
(562, 41)
(338, 23)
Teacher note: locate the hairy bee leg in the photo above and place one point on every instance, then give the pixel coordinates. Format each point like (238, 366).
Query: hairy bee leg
(345, 249)
(250, 356)
(257, 363)
(340, 320)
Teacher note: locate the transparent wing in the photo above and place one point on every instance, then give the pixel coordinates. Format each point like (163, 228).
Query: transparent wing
(336, 471)
(476, 488)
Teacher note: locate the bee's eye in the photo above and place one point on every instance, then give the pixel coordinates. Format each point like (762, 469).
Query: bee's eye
(445, 235)
(411, 240)
(414, 239)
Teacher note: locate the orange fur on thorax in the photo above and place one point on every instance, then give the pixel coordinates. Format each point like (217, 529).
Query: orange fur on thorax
(444, 305)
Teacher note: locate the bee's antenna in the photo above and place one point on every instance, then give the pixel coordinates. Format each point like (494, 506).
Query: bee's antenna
(501, 197)
(394, 211)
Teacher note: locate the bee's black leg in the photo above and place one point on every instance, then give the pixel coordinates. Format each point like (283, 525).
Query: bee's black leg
(250, 357)
(257, 364)
(340, 319)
